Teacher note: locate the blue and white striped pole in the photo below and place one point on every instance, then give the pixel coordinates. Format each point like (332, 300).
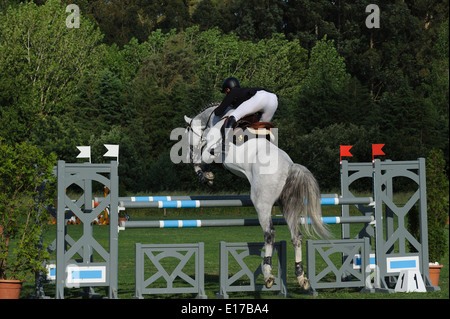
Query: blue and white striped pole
(196, 223)
(176, 197)
(231, 203)
(189, 197)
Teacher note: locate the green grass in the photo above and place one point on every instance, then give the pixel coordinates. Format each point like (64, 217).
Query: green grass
(212, 237)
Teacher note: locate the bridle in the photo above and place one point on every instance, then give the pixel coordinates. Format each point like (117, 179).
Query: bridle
(201, 136)
(201, 139)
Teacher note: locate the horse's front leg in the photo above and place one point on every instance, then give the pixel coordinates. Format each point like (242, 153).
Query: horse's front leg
(205, 174)
(199, 171)
(212, 151)
(196, 160)
(209, 155)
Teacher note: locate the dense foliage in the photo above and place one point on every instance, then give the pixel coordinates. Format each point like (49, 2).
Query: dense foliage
(134, 68)
(438, 200)
(437, 207)
(26, 179)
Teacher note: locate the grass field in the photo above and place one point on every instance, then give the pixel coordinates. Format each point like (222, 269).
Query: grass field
(212, 237)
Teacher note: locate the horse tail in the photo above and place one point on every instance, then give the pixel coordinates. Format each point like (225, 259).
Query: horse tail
(301, 197)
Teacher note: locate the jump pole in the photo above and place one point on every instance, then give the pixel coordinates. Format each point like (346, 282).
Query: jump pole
(188, 197)
(235, 222)
(177, 197)
(234, 203)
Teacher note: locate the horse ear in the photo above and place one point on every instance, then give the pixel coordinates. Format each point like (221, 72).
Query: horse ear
(187, 119)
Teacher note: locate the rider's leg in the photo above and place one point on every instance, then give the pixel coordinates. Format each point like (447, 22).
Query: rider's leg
(262, 101)
(271, 106)
(228, 134)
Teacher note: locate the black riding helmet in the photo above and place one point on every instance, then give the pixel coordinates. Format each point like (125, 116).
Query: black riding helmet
(230, 83)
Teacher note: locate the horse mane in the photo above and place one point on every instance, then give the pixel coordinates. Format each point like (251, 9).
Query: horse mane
(207, 106)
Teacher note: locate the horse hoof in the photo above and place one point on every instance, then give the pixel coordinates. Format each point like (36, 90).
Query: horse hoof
(303, 282)
(209, 176)
(306, 285)
(269, 282)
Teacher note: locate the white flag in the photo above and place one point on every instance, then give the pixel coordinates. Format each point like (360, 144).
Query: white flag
(85, 152)
(113, 150)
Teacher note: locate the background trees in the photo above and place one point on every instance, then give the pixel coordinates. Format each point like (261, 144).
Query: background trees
(42, 65)
(134, 68)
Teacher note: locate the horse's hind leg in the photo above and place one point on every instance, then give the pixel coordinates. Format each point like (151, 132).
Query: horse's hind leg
(292, 220)
(301, 277)
(265, 221)
(269, 240)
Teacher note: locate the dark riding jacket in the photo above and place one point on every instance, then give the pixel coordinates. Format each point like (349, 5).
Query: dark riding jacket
(234, 98)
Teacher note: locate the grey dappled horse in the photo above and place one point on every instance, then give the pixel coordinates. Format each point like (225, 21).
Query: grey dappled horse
(273, 176)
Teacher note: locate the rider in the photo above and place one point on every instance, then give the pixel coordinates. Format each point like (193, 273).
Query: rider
(245, 101)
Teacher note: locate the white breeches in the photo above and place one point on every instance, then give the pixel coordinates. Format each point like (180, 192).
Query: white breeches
(262, 101)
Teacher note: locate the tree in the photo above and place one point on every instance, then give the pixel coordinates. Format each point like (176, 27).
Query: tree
(321, 100)
(175, 14)
(42, 62)
(437, 200)
(206, 15)
(160, 93)
(108, 97)
(319, 150)
(25, 190)
(121, 20)
(436, 93)
(60, 86)
(280, 65)
(258, 19)
(310, 20)
(437, 186)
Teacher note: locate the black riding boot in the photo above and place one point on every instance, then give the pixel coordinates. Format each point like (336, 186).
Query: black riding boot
(228, 138)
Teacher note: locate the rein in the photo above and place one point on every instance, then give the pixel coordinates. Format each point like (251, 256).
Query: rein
(189, 128)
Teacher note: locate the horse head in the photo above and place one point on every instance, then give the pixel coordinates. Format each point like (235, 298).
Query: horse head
(197, 130)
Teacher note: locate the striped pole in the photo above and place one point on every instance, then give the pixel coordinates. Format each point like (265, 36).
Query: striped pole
(235, 222)
(187, 197)
(232, 203)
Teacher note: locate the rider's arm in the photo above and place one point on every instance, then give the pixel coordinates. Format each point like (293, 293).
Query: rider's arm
(227, 101)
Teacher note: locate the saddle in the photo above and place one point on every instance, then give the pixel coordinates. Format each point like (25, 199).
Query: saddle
(250, 127)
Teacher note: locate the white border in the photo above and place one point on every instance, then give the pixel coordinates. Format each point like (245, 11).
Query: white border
(406, 258)
(71, 280)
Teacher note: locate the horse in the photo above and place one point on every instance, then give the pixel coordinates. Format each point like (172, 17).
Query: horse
(273, 177)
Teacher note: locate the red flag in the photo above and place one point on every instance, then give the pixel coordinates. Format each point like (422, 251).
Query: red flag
(376, 149)
(345, 151)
